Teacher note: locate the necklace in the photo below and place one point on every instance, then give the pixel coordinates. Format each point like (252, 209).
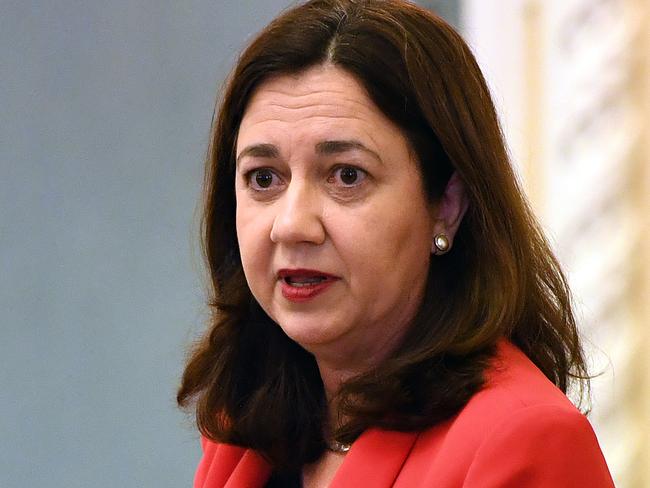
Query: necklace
(338, 447)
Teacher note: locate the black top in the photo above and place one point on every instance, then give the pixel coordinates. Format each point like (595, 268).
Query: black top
(284, 480)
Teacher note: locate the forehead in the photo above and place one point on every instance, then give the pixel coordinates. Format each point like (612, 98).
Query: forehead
(298, 90)
(322, 98)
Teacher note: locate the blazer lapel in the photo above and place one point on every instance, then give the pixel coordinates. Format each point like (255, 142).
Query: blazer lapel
(374, 460)
(252, 471)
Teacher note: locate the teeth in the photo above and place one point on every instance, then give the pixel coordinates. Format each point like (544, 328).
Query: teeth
(298, 282)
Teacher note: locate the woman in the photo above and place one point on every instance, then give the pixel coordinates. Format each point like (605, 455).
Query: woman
(386, 309)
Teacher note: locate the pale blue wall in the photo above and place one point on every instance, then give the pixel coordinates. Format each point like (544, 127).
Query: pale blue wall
(449, 9)
(104, 114)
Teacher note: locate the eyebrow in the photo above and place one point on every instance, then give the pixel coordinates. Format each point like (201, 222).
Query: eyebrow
(324, 148)
(268, 151)
(337, 147)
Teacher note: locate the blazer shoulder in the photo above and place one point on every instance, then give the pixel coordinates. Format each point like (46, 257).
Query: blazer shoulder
(514, 380)
(540, 445)
(217, 463)
(519, 426)
(225, 464)
(513, 384)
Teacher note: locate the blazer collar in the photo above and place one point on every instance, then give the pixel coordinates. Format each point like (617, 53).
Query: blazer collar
(375, 459)
(252, 471)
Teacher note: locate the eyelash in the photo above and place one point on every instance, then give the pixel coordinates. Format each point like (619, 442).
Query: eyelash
(362, 175)
(250, 177)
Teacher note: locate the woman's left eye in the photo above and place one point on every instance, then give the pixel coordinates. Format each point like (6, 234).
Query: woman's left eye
(347, 176)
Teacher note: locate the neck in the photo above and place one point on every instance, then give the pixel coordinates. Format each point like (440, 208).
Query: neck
(337, 363)
(333, 378)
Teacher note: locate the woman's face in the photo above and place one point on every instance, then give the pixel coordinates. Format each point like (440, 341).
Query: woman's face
(333, 224)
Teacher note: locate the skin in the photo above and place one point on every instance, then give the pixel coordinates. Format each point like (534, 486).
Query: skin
(356, 211)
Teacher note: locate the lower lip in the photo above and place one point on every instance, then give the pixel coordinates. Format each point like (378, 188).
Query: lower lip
(304, 293)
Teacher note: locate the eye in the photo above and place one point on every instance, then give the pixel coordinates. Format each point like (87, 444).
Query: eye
(347, 176)
(262, 179)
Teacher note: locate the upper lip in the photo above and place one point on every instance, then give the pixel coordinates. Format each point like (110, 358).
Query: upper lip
(302, 273)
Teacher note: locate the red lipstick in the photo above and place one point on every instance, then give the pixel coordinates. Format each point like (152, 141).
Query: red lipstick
(301, 285)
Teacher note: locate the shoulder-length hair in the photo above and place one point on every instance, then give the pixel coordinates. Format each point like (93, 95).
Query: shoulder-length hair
(252, 385)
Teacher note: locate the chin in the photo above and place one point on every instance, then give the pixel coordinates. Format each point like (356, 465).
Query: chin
(309, 335)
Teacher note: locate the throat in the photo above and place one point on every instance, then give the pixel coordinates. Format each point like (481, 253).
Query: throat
(322, 472)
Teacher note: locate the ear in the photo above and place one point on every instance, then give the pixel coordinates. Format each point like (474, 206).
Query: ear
(450, 209)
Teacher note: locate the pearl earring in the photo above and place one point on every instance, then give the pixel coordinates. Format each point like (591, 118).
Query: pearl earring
(441, 243)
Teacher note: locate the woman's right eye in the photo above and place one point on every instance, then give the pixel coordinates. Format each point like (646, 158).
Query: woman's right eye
(262, 179)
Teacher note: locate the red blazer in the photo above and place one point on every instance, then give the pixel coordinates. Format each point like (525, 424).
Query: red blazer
(520, 431)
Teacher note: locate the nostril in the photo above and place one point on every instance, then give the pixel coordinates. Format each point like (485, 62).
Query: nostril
(298, 222)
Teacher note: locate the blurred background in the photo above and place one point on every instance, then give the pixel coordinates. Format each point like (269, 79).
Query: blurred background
(105, 110)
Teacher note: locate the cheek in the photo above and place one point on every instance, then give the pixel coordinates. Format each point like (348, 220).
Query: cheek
(393, 230)
(255, 264)
(388, 248)
(372, 245)
(250, 237)
(248, 220)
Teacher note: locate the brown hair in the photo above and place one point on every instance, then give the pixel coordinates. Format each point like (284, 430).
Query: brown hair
(255, 387)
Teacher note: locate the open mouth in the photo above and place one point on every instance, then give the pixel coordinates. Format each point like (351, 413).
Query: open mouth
(300, 281)
(302, 278)
(301, 285)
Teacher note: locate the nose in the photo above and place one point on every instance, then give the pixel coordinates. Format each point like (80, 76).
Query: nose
(298, 218)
